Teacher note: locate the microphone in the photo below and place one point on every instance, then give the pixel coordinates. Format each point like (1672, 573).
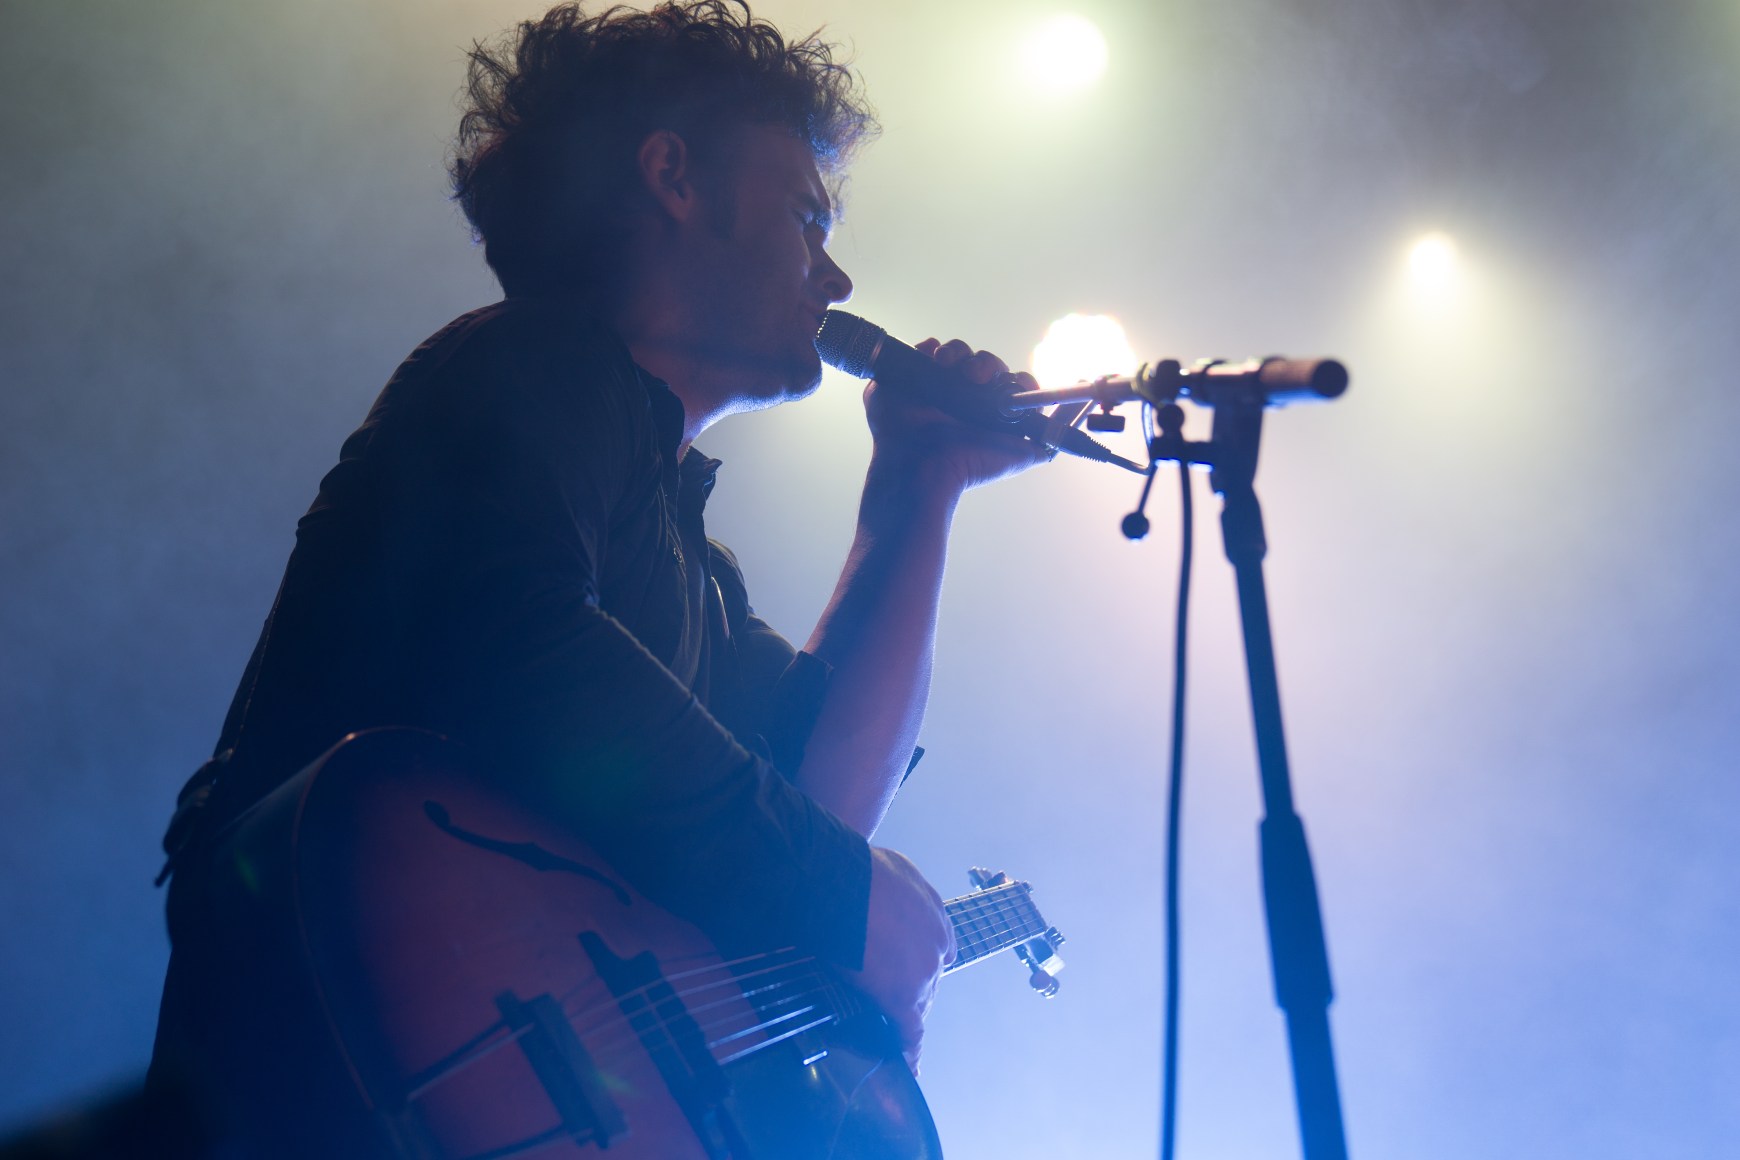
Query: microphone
(1270, 382)
(866, 351)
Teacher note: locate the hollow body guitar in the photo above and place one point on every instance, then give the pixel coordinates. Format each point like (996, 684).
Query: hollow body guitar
(479, 984)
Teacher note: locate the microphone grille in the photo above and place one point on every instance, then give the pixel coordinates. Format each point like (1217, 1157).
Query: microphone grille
(848, 343)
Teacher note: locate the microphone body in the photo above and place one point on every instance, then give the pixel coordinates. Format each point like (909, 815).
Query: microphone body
(866, 351)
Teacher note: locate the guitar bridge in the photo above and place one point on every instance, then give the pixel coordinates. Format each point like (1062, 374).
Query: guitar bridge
(674, 1041)
(563, 1067)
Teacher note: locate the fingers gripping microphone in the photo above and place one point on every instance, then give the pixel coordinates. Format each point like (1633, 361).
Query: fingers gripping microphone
(866, 351)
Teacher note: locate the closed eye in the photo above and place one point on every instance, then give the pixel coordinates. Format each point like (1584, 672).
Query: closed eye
(814, 215)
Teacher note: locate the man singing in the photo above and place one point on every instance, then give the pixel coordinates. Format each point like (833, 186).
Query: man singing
(510, 551)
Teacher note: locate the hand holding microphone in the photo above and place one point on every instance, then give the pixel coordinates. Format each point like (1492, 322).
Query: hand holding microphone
(952, 378)
(992, 399)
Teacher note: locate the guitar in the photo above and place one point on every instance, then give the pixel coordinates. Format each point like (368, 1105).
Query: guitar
(434, 972)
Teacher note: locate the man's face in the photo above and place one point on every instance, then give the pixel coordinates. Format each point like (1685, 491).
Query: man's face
(764, 273)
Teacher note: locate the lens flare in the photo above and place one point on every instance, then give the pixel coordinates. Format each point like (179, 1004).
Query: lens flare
(1082, 346)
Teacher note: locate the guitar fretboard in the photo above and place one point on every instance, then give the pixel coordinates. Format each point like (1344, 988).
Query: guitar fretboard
(991, 920)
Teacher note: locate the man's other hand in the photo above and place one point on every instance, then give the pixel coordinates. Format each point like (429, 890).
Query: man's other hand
(963, 455)
(909, 942)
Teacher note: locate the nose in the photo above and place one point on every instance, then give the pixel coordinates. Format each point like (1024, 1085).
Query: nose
(835, 282)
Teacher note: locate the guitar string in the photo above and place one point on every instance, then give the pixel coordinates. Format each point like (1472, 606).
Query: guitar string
(619, 1047)
(991, 923)
(621, 1031)
(983, 936)
(613, 1036)
(733, 985)
(984, 933)
(633, 1048)
(488, 1042)
(982, 919)
(795, 994)
(500, 1036)
(982, 925)
(977, 911)
(764, 1024)
(605, 1042)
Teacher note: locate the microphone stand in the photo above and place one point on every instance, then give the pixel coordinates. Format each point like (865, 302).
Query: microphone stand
(1298, 954)
(1238, 395)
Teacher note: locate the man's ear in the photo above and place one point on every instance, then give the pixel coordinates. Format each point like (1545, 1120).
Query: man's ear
(664, 166)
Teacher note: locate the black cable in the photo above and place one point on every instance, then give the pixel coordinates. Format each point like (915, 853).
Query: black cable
(1174, 806)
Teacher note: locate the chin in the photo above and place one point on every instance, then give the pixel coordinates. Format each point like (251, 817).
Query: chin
(805, 385)
(803, 375)
(782, 382)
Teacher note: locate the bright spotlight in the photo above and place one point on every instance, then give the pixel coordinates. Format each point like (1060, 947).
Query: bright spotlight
(1432, 261)
(1082, 346)
(1064, 53)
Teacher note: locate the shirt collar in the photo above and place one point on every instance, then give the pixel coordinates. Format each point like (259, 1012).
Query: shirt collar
(692, 470)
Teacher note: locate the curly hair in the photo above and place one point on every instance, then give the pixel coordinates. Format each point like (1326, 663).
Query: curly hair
(555, 112)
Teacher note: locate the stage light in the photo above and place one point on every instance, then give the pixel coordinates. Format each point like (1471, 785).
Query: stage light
(1064, 53)
(1082, 346)
(1432, 261)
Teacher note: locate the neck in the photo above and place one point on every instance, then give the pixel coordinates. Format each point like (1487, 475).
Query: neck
(663, 345)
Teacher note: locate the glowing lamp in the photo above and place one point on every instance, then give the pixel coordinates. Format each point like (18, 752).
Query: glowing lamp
(1432, 260)
(1082, 346)
(1064, 53)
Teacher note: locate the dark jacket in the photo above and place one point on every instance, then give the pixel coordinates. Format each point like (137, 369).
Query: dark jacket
(510, 553)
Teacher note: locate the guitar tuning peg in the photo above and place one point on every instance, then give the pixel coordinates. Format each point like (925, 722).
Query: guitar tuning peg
(1040, 981)
(985, 879)
(1043, 961)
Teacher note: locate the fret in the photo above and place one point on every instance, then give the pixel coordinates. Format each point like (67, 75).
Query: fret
(992, 920)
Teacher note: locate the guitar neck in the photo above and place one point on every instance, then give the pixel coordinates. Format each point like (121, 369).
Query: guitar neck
(992, 920)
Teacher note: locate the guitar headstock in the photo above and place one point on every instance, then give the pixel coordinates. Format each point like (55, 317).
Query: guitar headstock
(1040, 952)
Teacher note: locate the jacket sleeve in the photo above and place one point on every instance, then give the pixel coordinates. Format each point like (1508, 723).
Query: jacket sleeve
(768, 692)
(776, 691)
